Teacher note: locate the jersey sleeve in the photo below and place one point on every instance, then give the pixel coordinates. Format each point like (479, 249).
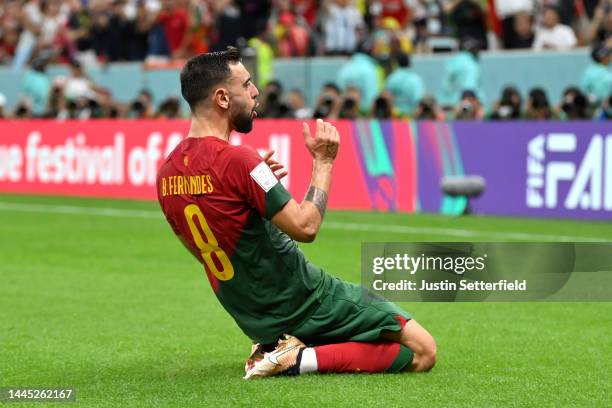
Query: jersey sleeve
(251, 177)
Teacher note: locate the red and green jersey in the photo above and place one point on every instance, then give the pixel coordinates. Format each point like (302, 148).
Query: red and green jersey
(218, 199)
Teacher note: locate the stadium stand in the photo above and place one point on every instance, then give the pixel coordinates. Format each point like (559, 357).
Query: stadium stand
(61, 58)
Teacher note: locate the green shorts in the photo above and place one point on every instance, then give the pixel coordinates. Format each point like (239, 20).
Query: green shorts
(348, 312)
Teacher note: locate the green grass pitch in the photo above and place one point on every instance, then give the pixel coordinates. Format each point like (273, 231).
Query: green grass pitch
(108, 302)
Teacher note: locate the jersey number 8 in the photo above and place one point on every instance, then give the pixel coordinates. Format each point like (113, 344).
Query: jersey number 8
(209, 246)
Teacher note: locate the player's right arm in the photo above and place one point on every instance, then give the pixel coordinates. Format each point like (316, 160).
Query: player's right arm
(301, 221)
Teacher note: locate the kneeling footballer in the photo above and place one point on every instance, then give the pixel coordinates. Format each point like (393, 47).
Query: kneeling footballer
(226, 205)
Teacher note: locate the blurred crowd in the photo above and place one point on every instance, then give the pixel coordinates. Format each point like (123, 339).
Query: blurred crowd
(379, 35)
(76, 96)
(135, 30)
(362, 90)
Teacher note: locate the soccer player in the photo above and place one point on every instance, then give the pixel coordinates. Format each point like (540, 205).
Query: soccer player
(226, 205)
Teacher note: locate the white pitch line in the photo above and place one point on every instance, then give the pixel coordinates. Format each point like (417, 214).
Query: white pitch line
(333, 225)
(463, 233)
(76, 210)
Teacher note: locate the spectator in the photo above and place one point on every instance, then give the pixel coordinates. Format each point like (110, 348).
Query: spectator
(574, 105)
(538, 107)
(272, 104)
(137, 33)
(468, 19)
(420, 39)
(398, 10)
(100, 31)
(78, 85)
(174, 19)
(3, 114)
(56, 105)
(264, 55)
(509, 105)
(427, 109)
(201, 22)
(389, 40)
(23, 109)
(406, 87)
(328, 102)
(9, 30)
(228, 25)
(553, 35)
(429, 21)
(292, 39)
(307, 9)
(600, 28)
(105, 107)
(52, 27)
(298, 105)
(522, 35)
(78, 29)
(349, 106)
(605, 111)
(462, 72)
(169, 109)
(383, 106)
(36, 86)
(515, 16)
(361, 73)
(596, 80)
(142, 106)
(117, 31)
(342, 27)
(253, 15)
(469, 107)
(31, 18)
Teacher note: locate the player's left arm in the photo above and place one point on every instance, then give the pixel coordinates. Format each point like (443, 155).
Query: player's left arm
(302, 221)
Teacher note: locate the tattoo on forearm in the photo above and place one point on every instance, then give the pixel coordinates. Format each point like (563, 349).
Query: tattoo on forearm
(318, 197)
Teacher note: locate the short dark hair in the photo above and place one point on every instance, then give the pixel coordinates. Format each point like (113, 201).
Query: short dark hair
(333, 86)
(403, 60)
(204, 71)
(538, 97)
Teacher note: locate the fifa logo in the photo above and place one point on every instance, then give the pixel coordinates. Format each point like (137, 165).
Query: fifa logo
(587, 179)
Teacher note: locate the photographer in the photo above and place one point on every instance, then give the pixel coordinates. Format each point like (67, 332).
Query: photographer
(596, 80)
(142, 107)
(509, 106)
(383, 106)
(427, 109)
(574, 105)
(272, 104)
(169, 109)
(469, 107)
(537, 106)
(328, 103)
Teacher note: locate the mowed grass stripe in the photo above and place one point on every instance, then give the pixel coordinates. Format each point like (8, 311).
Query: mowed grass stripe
(334, 225)
(115, 307)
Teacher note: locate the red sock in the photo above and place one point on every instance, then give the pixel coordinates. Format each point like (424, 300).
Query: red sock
(362, 357)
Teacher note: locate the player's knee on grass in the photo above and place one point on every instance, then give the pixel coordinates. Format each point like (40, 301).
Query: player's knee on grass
(422, 344)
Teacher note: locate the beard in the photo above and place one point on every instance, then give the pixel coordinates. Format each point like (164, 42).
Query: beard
(242, 118)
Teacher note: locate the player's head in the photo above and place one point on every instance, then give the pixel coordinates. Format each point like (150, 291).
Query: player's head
(219, 81)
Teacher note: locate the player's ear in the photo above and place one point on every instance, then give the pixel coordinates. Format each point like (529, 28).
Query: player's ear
(221, 97)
